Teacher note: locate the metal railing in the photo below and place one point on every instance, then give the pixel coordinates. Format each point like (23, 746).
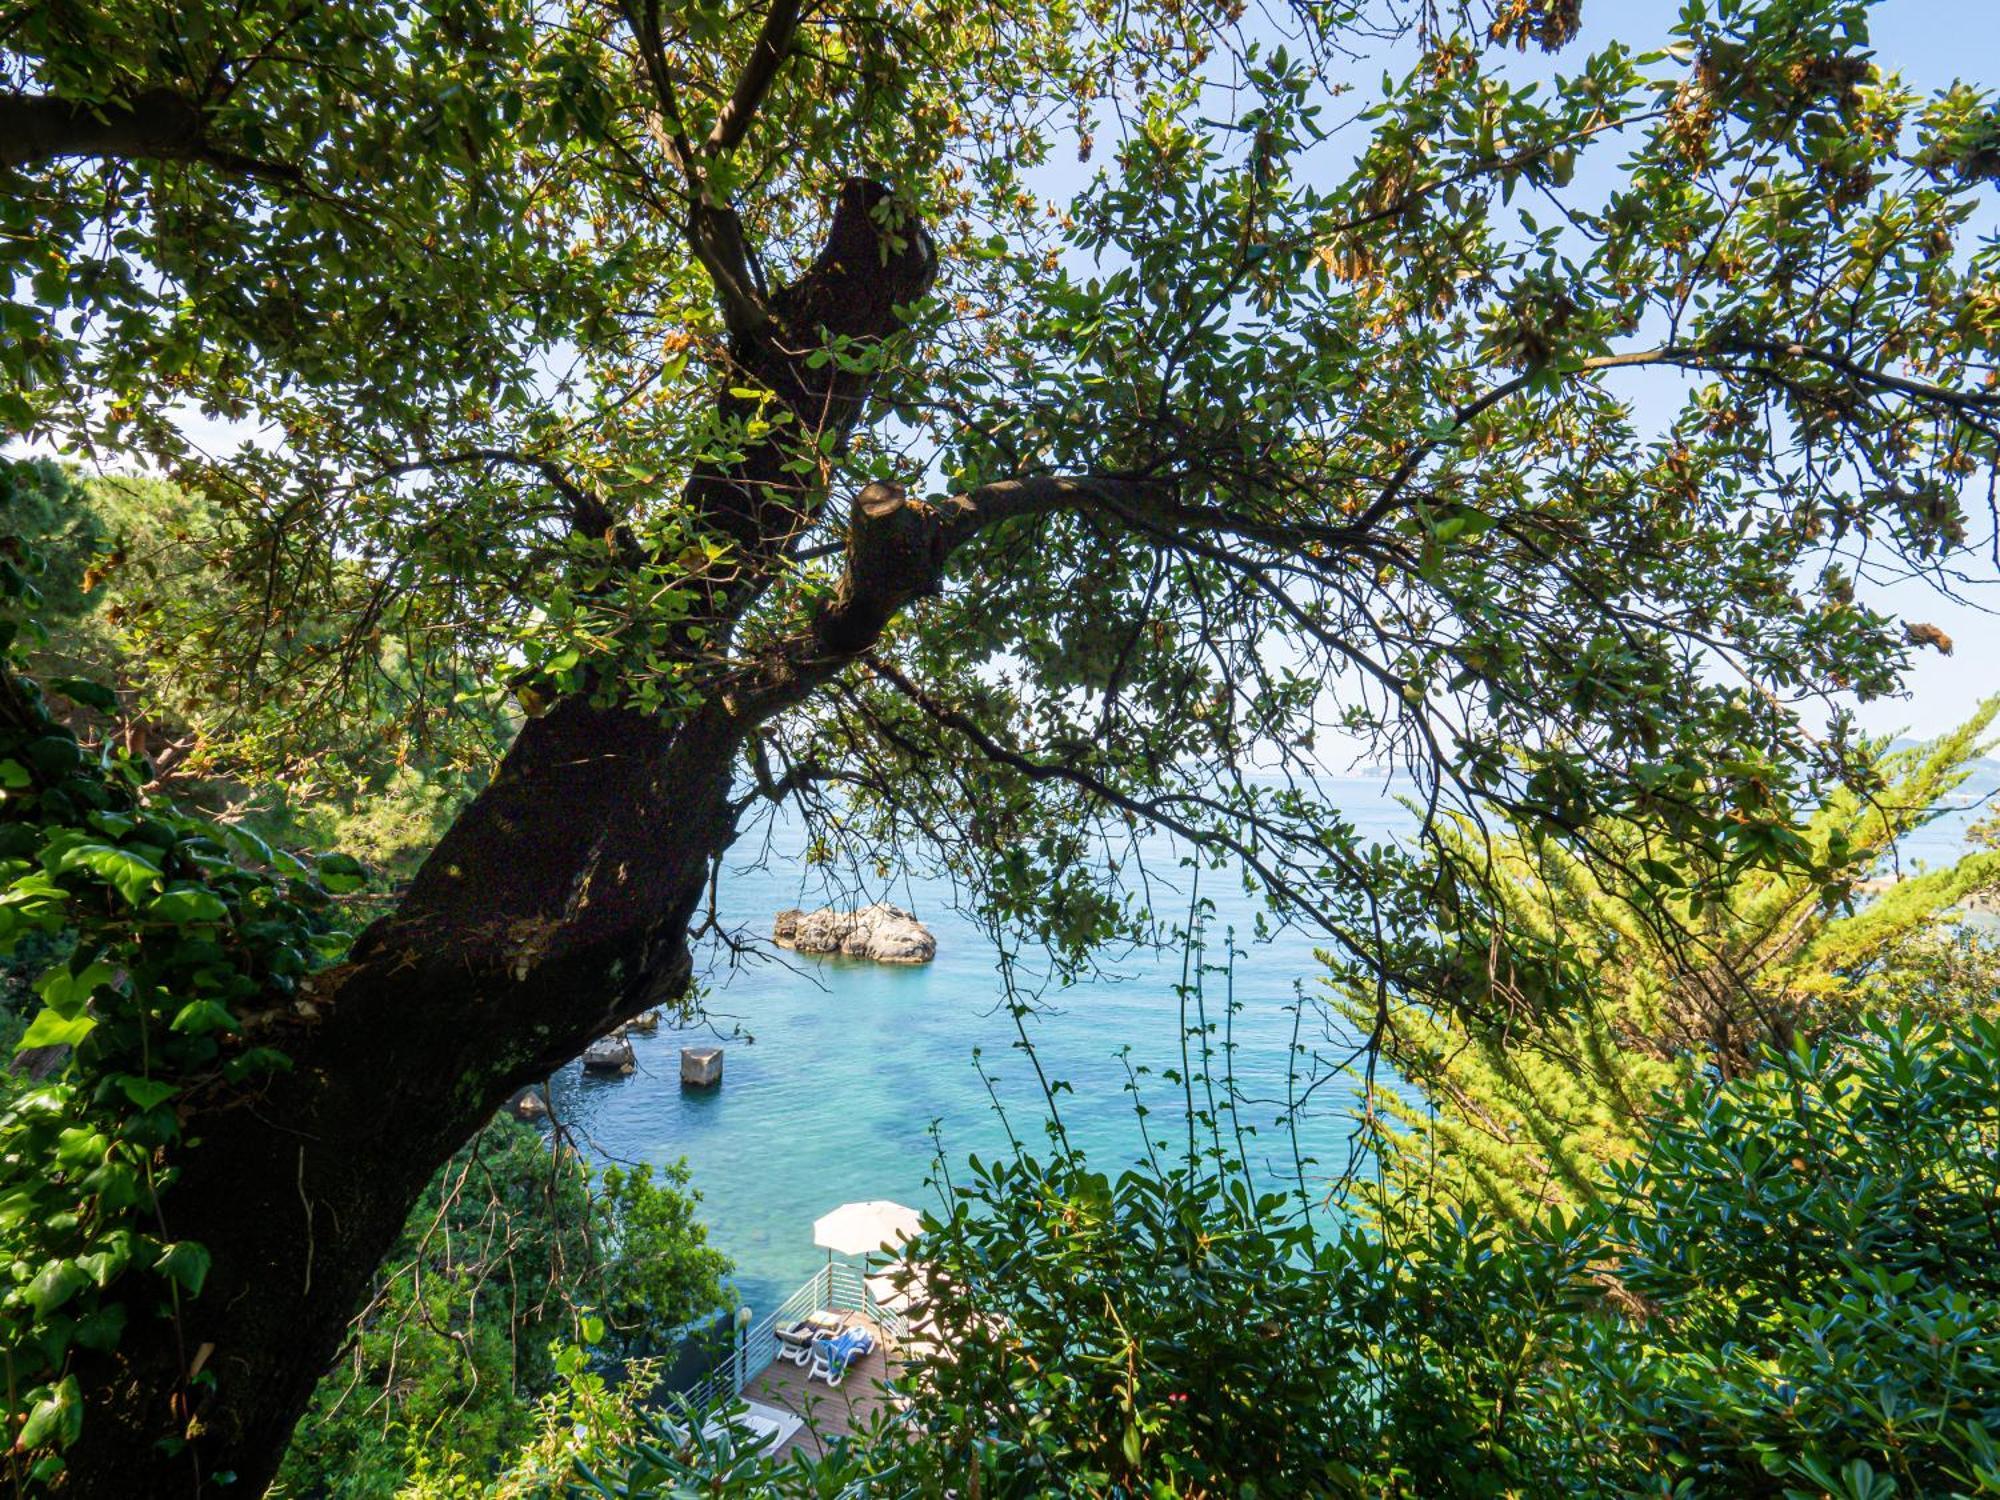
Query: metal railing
(834, 1287)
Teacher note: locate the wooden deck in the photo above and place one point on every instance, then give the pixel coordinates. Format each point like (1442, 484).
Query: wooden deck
(829, 1413)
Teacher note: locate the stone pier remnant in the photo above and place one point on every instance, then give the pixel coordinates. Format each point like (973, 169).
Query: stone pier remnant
(701, 1067)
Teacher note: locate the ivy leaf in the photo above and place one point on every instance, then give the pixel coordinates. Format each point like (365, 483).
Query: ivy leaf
(188, 903)
(341, 873)
(51, 1028)
(56, 1420)
(57, 1282)
(133, 875)
(147, 1093)
(66, 992)
(198, 1017)
(101, 1330)
(187, 1263)
(104, 1266)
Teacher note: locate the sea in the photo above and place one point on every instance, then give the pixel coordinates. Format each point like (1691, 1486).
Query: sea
(846, 1080)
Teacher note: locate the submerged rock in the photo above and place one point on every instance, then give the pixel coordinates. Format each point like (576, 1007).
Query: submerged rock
(885, 933)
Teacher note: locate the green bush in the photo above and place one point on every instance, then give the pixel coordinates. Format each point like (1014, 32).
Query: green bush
(1810, 1263)
(1794, 1291)
(513, 1258)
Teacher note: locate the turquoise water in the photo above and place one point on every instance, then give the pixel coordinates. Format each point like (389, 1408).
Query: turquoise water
(837, 1072)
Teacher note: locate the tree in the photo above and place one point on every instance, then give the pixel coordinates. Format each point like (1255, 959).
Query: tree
(137, 577)
(1533, 1077)
(730, 386)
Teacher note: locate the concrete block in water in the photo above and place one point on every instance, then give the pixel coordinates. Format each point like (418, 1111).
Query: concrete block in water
(701, 1067)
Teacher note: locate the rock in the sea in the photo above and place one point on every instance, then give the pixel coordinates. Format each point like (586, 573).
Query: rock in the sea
(529, 1104)
(610, 1054)
(885, 933)
(646, 1020)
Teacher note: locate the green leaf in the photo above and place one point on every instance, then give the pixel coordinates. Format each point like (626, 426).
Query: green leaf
(188, 903)
(147, 1093)
(1463, 524)
(82, 690)
(57, 1419)
(187, 1263)
(133, 875)
(341, 873)
(106, 1265)
(66, 992)
(51, 1028)
(1659, 872)
(199, 1017)
(100, 1330)
(56, 1283)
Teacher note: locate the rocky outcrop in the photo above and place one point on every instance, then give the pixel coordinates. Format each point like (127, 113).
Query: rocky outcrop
(610, 1054)
(885, 933)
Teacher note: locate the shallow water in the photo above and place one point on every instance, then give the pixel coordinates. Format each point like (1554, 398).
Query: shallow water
(837, 1071)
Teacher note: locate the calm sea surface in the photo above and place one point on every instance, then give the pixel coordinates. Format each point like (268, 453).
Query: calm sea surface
(841, 1078)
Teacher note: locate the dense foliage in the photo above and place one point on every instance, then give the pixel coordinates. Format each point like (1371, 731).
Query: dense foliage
(1381, 375)
(513, 1257)
(181, 920)
(1792, 1291)
(746, 392)
(1532, 1076)
(139, 576)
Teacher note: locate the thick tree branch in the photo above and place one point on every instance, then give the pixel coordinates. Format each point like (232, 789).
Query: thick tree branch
(714, 232)
(897, 547)
(767, 55)
(897, 550)
(158, 125)
(874, 263)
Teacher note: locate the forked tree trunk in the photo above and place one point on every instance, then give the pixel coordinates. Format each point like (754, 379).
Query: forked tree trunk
(557, 905)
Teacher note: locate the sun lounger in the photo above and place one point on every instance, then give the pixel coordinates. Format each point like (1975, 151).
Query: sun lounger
(831, 1357)
(796, 1342)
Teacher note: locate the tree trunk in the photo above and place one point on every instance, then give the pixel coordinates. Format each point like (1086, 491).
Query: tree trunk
(557, 905)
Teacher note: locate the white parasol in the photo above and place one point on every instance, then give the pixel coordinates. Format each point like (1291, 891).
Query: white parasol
(863, 1228)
